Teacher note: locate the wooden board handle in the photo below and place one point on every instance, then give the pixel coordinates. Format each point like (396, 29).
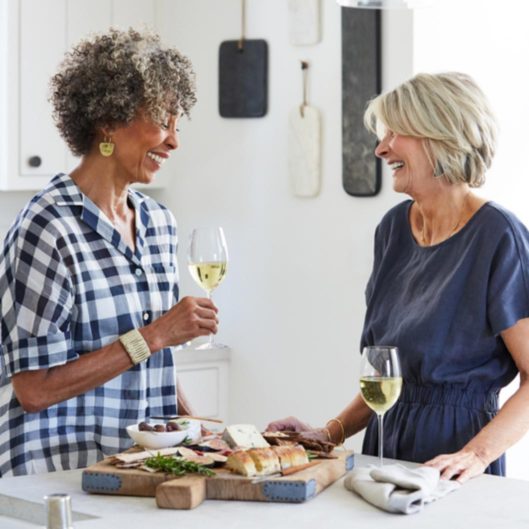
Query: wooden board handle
(181, 493)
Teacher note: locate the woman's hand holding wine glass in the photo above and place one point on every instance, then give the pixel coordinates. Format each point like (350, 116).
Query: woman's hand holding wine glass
(380, 383)
(208, 261)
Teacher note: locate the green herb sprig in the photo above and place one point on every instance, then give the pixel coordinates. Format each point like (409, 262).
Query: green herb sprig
(177, 466)
(311, 455)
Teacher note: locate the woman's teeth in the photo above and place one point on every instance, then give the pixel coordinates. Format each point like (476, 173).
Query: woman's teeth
(158, 159)
(396, 165)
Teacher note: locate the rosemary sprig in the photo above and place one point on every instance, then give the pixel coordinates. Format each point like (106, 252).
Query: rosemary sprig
(177, 466)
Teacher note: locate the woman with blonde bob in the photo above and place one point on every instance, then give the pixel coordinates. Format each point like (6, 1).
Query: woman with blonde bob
(449, 287)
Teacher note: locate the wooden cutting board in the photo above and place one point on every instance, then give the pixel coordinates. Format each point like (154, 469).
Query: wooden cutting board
(304, 151)
(189, 491)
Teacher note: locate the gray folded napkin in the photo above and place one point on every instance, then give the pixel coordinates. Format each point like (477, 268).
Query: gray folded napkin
(395, 488)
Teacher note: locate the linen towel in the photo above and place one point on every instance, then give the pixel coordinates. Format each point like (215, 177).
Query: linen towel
(395, 488)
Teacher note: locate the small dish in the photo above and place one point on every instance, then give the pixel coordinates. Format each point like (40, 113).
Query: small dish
(190, 431)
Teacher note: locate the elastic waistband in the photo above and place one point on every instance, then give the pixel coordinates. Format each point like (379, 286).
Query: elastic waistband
(449, 395)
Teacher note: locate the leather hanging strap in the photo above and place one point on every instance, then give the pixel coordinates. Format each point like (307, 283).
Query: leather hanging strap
(243, 25)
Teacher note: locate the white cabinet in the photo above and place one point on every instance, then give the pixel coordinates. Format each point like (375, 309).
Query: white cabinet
(34, 35)
(203, 376)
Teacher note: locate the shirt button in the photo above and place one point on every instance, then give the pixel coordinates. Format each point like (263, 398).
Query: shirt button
(138, 272)
(146, 316)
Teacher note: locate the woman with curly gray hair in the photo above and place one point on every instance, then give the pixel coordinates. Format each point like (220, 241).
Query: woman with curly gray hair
(449, 287)
(88, 277)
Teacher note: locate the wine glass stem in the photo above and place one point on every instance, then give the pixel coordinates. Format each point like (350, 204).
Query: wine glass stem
(210, 337)
(380, 417)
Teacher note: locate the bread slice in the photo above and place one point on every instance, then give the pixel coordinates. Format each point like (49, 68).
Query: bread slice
(240, 462)
(291, 456)
(266, 461)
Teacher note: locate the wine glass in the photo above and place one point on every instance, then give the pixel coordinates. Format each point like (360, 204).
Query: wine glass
(380, 383)
(208, 260)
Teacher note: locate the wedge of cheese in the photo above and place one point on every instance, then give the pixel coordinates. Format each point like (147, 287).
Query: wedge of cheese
(244, 436)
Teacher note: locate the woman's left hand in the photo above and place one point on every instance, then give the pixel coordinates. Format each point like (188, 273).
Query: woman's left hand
(464, 464)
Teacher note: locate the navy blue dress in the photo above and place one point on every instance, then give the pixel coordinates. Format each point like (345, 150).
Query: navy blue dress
(445, 306)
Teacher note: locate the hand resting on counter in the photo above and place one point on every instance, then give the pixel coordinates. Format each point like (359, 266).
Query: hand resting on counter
(461, 465)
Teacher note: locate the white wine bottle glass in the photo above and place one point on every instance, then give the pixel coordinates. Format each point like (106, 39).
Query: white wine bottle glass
(207, 261)
(380, 384)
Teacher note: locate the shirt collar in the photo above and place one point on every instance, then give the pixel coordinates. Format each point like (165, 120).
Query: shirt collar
(67, 194)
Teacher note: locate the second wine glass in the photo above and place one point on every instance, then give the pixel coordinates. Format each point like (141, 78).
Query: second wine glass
(380, 383)
(208, 261)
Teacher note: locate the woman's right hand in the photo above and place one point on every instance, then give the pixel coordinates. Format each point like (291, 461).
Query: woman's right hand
(189, 318)
(292, 424)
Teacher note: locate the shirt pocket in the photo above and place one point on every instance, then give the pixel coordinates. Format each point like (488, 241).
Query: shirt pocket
(162, 280)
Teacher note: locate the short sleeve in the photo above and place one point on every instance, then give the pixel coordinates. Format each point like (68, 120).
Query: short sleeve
(36, 301)
(508, 292)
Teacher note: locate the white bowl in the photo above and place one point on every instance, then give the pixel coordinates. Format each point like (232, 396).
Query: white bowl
(190, 431)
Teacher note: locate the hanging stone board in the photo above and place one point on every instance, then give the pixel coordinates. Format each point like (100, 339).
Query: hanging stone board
(243, 79)
(361, 170)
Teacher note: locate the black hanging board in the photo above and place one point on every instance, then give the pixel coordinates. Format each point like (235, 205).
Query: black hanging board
(361, 170)
(243, 79)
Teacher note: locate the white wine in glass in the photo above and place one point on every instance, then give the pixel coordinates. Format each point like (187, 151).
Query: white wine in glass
(380, 383)
(208, 261)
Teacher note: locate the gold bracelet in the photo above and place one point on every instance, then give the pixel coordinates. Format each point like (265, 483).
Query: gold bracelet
(339, 421)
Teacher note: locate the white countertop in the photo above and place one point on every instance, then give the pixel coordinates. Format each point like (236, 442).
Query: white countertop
(191, 355)
(484, 502)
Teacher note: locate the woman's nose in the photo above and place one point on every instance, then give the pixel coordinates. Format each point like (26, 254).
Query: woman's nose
(381, 150)
(172, 141)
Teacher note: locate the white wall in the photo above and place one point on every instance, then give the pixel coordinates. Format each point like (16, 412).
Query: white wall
(292, 305)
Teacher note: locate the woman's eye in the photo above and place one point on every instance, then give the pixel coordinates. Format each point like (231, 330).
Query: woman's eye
(167, 126)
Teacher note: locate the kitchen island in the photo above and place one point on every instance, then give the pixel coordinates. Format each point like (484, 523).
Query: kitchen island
(484, 502)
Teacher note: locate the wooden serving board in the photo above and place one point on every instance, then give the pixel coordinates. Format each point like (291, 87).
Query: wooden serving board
(189, 491)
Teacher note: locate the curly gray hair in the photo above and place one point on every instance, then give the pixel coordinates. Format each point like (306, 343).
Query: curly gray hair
(107, 79)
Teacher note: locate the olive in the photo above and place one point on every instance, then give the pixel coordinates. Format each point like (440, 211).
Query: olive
(144, 427)
(159, 428)
(172, 427)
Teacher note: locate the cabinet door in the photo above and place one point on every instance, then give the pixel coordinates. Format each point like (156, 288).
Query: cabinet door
(85, 17)
(42, 151)
(34, 35)
(134, 13)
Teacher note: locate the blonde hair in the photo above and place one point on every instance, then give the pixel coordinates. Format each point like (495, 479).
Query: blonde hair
(451, 113)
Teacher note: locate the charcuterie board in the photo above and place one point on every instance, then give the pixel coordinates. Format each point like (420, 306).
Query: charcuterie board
(189, 491)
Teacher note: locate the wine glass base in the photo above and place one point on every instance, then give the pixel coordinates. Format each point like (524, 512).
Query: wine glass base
(211, 345)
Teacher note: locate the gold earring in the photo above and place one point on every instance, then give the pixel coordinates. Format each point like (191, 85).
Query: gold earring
(106, 148)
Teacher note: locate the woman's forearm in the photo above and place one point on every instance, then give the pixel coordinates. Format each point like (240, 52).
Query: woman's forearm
(509, 426)
(40, 389)
(354, 418)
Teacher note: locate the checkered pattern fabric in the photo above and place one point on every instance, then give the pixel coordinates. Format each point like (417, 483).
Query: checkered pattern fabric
(69, 285)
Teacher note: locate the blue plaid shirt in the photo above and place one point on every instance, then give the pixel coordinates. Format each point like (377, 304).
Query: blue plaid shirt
(70, 285)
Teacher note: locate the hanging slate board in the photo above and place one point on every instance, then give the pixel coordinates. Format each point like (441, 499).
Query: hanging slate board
(243, 78)
(361, 170)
